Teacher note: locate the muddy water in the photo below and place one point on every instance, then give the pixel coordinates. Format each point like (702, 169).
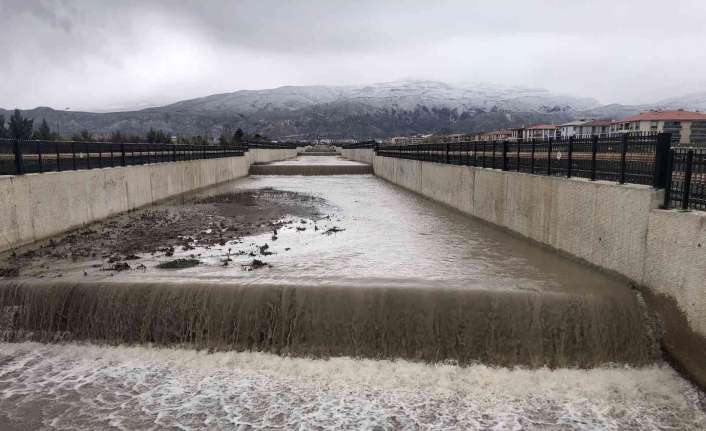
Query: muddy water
(373, 272)
(70, 387)
(380, 273)
(368, 232)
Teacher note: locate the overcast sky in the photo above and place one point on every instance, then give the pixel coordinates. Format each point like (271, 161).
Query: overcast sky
(101, 54)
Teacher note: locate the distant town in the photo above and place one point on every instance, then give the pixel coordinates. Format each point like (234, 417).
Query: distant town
(687, 128)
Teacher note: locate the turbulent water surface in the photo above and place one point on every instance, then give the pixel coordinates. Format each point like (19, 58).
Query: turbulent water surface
(86, 387)
(372, 272)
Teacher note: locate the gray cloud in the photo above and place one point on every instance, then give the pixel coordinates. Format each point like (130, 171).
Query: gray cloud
(98, 54)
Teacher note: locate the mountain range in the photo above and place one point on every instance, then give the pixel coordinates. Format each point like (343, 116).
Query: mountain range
(372, 111)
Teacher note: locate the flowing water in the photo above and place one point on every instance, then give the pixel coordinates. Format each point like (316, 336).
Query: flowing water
(382, 274)
(385, 274)
(69, 387)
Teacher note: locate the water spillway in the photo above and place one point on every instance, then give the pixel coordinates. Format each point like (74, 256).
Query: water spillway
(429, 324)
(377, 273)
(327, 302)
(313, 164)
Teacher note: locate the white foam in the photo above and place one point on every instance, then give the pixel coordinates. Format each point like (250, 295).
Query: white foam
(89, 387)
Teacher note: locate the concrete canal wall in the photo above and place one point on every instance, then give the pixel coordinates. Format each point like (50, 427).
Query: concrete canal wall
(37, 206)
(364, 155)
(615, 227)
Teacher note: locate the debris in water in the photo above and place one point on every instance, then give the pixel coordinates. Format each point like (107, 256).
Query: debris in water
(119, 266)
(179, 264)
(132, 257)
(168, 251)
(333, 230)
(10, 272)
(263, 250)
(255, 264)
(301, 228)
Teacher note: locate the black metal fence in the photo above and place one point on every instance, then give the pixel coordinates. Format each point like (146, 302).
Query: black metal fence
(273, 145)
(19, 156)
(687, 184)
(357, 145)
(625, 158)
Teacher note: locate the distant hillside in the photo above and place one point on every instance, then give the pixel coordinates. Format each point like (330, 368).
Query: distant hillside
(374, 111)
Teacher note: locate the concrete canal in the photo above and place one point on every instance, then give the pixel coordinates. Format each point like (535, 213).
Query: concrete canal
(336, 301)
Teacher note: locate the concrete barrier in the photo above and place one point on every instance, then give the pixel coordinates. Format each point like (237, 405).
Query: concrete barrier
(37, 206)
(364, 155)
(617, 228)
(311, 169)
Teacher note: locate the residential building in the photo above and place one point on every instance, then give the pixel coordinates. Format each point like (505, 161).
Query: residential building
(596, 127)
(541, 131)
(572, 128)
(456, 137)
(409, 140)
(495, 135)
(687, 128)
(517, 134)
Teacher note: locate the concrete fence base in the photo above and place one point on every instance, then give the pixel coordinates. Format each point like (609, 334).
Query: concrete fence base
(617, 228)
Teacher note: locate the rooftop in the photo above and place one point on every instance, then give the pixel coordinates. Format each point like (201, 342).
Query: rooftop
(600, 123)
(542, 127)
(576, 123)
(666, 115)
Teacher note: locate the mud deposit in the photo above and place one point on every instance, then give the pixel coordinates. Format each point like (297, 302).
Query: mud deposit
(183, 224)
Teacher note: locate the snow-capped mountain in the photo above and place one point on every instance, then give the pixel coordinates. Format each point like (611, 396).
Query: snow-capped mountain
(406, 95)
(370, 111)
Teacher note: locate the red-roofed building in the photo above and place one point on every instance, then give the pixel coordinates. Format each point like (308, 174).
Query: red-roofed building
(687, 128)
(495, 135)
(597, 127)
(541, 131)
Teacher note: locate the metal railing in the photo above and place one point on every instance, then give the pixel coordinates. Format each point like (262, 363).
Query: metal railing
(687, 183)
(19, 157)
(624, 158)
(273, 145)
(357, 145)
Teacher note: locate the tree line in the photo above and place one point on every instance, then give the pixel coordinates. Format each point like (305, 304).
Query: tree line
(18, 127)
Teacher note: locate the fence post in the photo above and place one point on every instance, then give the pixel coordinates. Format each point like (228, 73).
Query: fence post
(569, 157)
(504, 155)
(174, 156)
(58, 157)
(518, 156)
(623, 153)
(687, 180)
(448, 160)
(494, 161)
(122, 155)
(594, 152)
(39, 158)
(100, 155)
(73, 154)
(88, 155)
(661, 159)
(532, 161)
(19, 165)
(668, 184)
(549, 157)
